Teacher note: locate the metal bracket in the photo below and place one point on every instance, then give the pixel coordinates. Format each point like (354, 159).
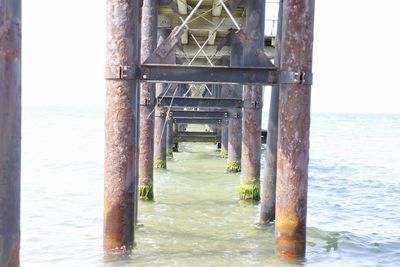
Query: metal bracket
(160, 114)
(122, 72)
(295, 77)
(147, 101)
(236, 115)
(252, 104)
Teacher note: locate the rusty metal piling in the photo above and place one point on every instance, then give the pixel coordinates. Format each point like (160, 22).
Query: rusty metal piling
(252, 103)
(121, 126)
(147, 103)
(10, 131)
(268, 186)
(294, 128)
(160, 128)
(225, 92)
(235, 115)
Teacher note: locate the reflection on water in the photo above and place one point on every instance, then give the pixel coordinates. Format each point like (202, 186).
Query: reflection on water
(196, 218)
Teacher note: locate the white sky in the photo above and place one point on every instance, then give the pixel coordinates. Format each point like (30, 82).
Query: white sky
(356, 55)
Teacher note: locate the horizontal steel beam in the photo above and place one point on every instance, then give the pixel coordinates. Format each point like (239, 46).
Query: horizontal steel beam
(209, 75)
(200, 102)
(197, 121)
(199, 114)
(203, 137)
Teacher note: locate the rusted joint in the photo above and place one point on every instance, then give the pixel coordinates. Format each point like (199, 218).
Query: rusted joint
(236, 115)
(252, 104)
(121, 72)
(147, 101)
(160, 114)
(295, 77)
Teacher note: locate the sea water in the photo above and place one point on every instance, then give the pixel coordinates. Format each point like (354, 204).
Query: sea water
(197, 218)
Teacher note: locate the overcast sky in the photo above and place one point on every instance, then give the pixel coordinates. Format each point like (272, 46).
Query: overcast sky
(356, 55)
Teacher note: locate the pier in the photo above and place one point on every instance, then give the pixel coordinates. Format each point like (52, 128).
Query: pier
(170, 64)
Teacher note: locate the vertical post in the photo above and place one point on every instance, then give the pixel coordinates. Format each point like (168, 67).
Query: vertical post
(160, 133)
(160, 141)
(160, 127)
(224, 91)
(252, 104)
(147, 103)
(10, 131)
(121, 126)
(294, 129)
(224, 135)
(170, 137)
(268, 186)
(235, 115)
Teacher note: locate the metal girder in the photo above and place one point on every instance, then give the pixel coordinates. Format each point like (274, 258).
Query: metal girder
(197, 121)
(200, 102)
(203, 137)
(199, 114)
(209, 75)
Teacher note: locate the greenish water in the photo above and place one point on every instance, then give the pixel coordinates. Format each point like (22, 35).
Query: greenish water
(197, 218)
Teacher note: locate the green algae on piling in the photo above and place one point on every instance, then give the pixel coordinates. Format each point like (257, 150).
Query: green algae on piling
(249, 192)
(146, 192)
(233, 166)
(169, 153)
(224, 153)
(160, 164)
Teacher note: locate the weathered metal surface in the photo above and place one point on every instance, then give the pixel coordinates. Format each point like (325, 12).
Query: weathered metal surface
(225, 92)
(165, 49)
(294, 130)
(160, 132)
(170, 136)
(209, 75)
(235, 116)
(147, 98)
(121, 122)
(197, 121)
(253, 101)
(268, 186)
(199, 114)
(204, 137)
(10, 131)
(199, 102)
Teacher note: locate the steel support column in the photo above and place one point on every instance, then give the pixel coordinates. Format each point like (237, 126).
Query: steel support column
(160, 127)
(121, 123)
(252, 103)
(294, 129)
(268, 186)
(226, 92)
(147, 102)
(170, 136)
(10, 131)
(235, 117)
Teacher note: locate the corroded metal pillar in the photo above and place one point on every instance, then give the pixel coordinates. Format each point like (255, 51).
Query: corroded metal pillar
(235, 115)
(170, 136)
(294, 127)
(225, 92)
(268, 186)
(252, 103)
(147, 103)
(10, 131)
(121, 125)
(160, 133)
(160, 127)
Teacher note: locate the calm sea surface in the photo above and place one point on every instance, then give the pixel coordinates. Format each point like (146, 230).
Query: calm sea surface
(197, 219)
